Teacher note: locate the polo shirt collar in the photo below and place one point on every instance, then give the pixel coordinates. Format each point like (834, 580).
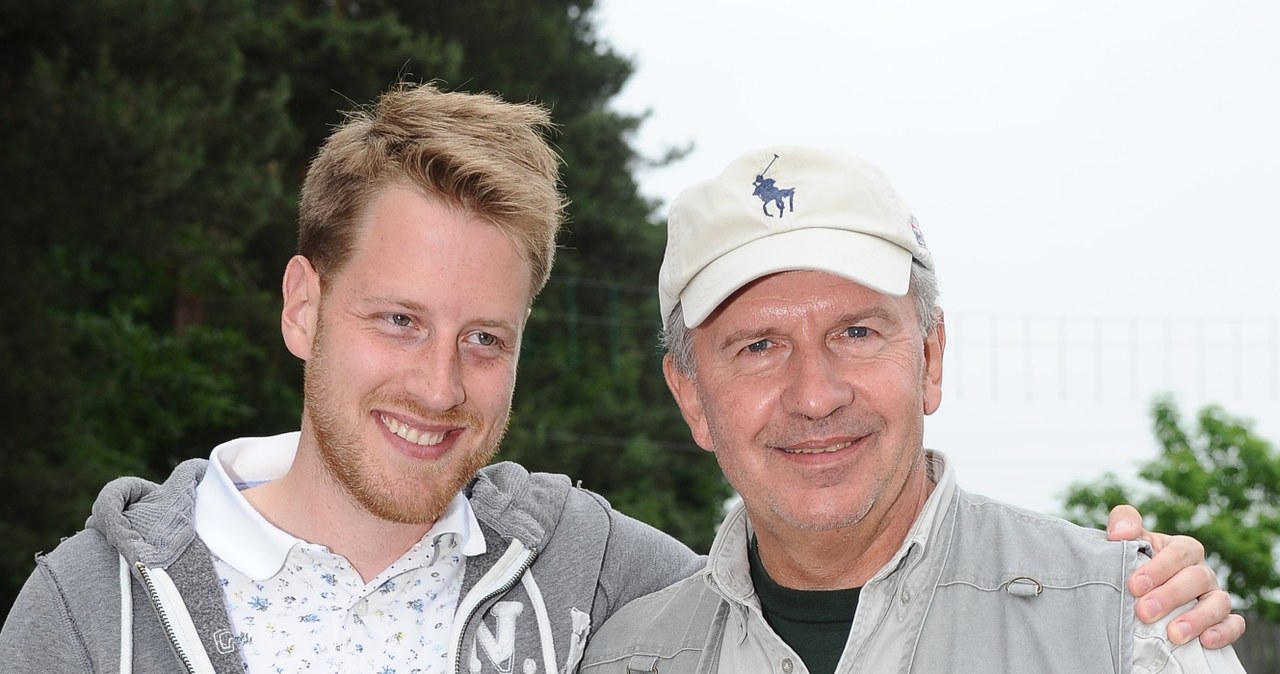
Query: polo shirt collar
(240, 536)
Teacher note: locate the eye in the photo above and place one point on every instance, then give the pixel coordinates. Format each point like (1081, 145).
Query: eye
(759, 346)
(400, 320)
(857, 331)
(484, 339)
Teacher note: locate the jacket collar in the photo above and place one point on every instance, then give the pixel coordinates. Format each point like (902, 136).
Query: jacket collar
(729, 573)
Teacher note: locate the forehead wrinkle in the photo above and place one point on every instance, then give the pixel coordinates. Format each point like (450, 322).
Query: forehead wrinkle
(773, 310)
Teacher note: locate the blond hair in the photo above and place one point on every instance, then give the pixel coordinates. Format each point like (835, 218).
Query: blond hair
(475, 152)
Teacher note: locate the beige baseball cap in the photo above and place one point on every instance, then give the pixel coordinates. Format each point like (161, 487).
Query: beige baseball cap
(782, 209)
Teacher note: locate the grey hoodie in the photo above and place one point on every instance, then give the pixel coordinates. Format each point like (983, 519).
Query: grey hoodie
(559, 562)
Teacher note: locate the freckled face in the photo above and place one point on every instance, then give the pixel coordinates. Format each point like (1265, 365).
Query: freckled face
(812, 390)
(413, 365)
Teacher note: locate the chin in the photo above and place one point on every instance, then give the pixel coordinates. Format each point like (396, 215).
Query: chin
(827, 518)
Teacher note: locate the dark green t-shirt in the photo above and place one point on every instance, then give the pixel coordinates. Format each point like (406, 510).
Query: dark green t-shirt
(814, 623)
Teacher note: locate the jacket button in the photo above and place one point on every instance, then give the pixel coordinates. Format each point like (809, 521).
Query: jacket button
(787, 666)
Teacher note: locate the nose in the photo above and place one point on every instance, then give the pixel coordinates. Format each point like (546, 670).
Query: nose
(816, 387)
(436, 376)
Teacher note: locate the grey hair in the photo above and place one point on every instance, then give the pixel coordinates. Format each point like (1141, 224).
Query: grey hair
(677, 338)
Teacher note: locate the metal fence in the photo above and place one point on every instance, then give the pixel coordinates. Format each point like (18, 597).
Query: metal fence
(1101, 359)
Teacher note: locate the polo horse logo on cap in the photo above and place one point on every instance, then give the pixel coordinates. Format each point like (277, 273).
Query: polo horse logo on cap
(767, 189)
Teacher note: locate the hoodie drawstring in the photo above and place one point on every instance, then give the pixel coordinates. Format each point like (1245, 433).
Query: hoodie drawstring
(126, 618)
(544, 622)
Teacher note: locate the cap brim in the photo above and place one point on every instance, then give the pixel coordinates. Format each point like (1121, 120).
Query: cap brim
(864, 259)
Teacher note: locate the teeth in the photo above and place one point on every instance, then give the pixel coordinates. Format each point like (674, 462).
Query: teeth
(412, 434)
(818, 450)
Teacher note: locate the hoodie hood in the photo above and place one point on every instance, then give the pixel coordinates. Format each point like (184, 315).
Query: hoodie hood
(148, 522)
(513, 505)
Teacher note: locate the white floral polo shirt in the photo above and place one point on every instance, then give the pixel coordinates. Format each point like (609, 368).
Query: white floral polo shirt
(295, 606)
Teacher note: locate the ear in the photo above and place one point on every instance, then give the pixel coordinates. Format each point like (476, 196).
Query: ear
(685, 391)
(301, 289)
(935, 343)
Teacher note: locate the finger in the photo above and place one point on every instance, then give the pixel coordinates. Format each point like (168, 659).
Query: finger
(1224, 633)
(1178, 554)
(1124, 523)
(1184, 586)
(1212, 609)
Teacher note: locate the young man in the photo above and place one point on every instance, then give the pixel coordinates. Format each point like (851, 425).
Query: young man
(375, 540)
(804, 348)
(367, 542)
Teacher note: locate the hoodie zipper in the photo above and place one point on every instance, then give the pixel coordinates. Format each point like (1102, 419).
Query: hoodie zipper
(166, 621)
(507, 583)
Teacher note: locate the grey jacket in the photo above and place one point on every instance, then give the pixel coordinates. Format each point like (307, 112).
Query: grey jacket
(559, 560)
(977, 586)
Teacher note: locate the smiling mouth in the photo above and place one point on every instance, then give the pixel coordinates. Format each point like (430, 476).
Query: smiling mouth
(417, 437)
(816, 450)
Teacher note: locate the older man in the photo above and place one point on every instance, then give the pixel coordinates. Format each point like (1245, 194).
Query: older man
(804, 349)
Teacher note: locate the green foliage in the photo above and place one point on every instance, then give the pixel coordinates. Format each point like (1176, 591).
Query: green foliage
(152, 158)
(139, 165)
(1218, 482)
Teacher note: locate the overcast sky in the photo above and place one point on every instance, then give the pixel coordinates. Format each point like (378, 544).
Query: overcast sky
(1098, 182)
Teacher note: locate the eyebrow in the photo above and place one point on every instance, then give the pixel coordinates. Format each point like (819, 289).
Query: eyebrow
(856, 317)
(422, 309)
(851, 318)
(499, 325)
(749, 336)
(369, 303)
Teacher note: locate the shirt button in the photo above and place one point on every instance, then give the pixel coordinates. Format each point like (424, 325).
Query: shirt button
(787, 666)
(906, 597)
(361, 607)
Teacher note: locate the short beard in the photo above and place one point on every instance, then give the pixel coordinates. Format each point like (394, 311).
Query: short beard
(415, 497)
